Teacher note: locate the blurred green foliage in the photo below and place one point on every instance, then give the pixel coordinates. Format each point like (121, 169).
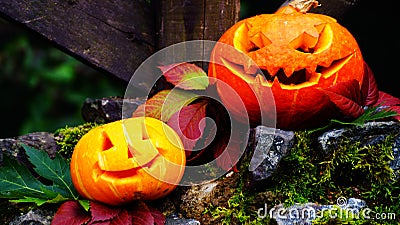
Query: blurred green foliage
(42, 88)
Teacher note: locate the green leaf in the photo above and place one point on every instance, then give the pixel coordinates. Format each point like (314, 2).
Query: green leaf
(18, 183)
(85, 204)
(374, 113)
(55, 170)
(41, 201)
(38, 201)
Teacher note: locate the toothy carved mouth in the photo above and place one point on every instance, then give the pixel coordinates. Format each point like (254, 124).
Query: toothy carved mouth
(298, 79)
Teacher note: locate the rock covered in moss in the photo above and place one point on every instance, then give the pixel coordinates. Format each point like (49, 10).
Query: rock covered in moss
(369, 134)
(196, 199)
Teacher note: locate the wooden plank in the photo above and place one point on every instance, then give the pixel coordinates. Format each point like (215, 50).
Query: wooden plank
(111, 35)
(220, 15)
(183, 20)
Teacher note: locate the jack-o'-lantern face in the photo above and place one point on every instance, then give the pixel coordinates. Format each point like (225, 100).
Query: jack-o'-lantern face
(136, 158)
(298, 53)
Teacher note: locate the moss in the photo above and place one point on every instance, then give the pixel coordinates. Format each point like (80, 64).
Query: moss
(350, 170)
(241, 208)
(68, 137)
(308, 175)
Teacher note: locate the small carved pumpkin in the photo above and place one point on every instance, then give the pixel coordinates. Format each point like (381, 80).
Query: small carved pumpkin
(300, 54)
(136, 158)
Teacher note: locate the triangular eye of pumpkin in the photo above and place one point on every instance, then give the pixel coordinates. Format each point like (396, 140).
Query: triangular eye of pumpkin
(115, 157)
(325, 38)
(307, 43)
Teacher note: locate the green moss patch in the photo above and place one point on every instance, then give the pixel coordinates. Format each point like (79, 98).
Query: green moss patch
(309, 175)
(68, 137)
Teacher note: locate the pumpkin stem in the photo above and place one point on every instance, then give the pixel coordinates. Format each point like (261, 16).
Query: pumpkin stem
(302, 6)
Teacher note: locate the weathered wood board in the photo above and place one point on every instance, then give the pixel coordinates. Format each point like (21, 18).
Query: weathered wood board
(117, 36)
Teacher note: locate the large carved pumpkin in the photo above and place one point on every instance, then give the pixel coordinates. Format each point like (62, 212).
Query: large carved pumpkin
(300, 55)
(136, 158)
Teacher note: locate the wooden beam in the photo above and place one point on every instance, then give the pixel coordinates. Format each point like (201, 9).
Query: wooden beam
(183, 20)
(111, 35)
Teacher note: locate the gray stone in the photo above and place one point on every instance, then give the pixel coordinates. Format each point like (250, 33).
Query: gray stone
(109, 109)
(34, 217)
(39, 140)
(175, 219)
(267, 146)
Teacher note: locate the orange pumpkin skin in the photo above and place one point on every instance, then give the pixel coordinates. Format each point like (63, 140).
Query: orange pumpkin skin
(300, 54)
(104, 169)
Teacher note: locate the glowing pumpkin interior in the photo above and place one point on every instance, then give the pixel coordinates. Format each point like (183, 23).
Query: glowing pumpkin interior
(297, 54)
(136, 158)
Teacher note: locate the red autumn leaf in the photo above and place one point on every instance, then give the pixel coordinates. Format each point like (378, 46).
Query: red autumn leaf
(228, 139)
(123, 217)
(164, 104)
(347, 97)
(396, 109)
(102, 212)
(70, 213)
(348, 89)
(228, 154)
(205, 142)
(141, 215)
(187, 123)
(369, 89)
(159, 218)
(389, 101)
(386, 99)
(186, 76)
(108, 222)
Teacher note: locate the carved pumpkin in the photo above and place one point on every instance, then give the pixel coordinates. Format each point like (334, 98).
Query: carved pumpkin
(300, 55)
(136, 158)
